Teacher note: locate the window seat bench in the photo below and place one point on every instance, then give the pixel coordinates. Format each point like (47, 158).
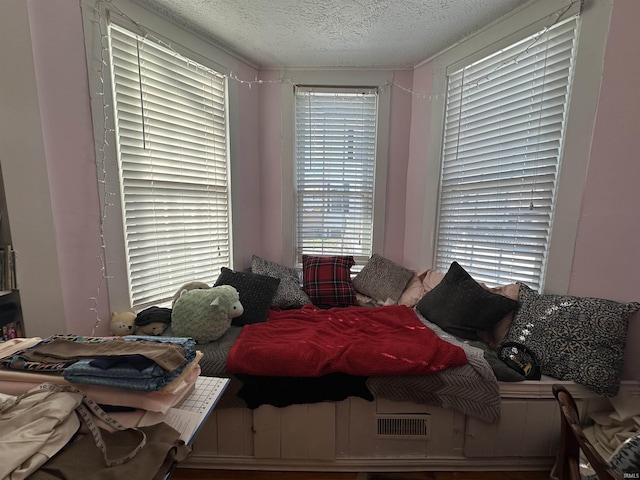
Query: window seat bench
(355, 434)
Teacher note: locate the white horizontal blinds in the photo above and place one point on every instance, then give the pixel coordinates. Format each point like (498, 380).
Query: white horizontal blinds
(502, 146)
(172, 146)
(335, 168)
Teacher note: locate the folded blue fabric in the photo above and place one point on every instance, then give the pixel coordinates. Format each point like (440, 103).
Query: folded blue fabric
(129, 376)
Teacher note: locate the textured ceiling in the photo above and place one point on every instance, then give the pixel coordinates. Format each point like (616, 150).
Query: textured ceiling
(333, 33)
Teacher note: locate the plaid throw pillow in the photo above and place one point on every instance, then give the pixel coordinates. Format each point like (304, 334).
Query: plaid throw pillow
(327, 280)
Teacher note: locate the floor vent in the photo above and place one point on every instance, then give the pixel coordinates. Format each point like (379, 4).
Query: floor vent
(404, 426)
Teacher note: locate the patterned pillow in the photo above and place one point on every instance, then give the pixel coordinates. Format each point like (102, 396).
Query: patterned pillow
(625, 460)
(381, 279)
(256, 294)
(575, 338)
(461, 306)
(327, 280)
(289, 293)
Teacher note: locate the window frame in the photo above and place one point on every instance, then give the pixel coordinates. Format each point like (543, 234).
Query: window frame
(381, 80)
(301, 90)
(113, 258)
(592, 34)
(144, 171)
(526, 164)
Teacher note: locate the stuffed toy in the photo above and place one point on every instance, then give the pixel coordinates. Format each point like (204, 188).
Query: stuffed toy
(122, 323)
(188, 286)
(205, 314)
(152, 321)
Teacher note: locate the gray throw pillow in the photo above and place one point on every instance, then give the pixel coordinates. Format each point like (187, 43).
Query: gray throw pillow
(289, 293)
(382, 279)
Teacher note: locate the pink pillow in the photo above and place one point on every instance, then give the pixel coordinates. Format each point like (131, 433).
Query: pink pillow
(412, 293)
(501, 329)
(431, 279)
(420, 284)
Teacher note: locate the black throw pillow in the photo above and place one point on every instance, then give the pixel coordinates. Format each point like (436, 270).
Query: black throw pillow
(256, 294)
(461, 306)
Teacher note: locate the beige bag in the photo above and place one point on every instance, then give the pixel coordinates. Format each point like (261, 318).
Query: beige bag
(37, 424)
(33, 427)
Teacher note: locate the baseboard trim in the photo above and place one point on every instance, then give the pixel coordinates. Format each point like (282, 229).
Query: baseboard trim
(396, 464)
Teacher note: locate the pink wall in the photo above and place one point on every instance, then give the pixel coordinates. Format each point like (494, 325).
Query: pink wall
(607, 251)
(270, 171)
(399, 134)
(248, 157)
(61, 72)
(417, 166)
(607, 256)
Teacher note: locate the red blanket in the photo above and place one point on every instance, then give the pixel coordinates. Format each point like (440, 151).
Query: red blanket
(310, 342)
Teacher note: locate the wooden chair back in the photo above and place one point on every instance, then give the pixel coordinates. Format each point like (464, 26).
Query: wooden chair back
(573, 440)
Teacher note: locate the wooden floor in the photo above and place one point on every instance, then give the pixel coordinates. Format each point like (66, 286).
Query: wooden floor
(193, 474)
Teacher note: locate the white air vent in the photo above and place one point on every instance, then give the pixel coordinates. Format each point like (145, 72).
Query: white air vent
(404, 426)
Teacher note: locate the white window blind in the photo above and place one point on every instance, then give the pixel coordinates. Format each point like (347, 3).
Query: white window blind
(502, 147)
(335, 169)
(171, 129)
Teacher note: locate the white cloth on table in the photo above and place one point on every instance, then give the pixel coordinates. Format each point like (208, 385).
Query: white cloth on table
(34, 429)
(613, 430)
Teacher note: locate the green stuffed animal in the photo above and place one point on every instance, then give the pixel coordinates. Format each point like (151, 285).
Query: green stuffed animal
(188, 286)
(205, 314)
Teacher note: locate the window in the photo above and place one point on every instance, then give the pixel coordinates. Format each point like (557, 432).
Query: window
(171, 131)
(334, 171)
(504, 124)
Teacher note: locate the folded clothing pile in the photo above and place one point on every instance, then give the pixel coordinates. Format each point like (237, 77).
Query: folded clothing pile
(140, 363)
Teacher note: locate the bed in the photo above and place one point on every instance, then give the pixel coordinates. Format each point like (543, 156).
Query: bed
(284, 410)
(470, 387)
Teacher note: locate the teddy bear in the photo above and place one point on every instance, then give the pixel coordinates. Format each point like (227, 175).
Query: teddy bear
(122, 323)
(205, 314)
